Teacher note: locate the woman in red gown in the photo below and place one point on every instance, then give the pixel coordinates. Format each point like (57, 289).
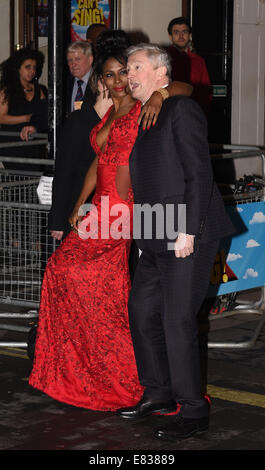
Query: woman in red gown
(84, 354)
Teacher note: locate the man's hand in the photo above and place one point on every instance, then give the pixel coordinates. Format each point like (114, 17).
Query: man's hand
(26, 132)
(58, 235)
(184, 245)
(150, 110)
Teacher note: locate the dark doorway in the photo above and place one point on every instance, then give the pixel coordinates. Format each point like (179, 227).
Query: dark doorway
(212, 32)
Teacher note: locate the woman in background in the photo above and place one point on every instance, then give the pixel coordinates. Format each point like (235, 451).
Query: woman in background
(22, 99)
(23, 104)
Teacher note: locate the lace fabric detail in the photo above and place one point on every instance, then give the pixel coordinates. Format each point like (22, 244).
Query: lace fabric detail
(121, 137)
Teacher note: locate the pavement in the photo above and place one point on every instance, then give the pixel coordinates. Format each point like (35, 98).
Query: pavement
(235, 382)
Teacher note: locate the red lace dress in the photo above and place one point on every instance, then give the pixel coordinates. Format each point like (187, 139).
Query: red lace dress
(84, 354)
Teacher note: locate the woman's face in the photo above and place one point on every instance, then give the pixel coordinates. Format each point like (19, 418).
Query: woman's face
(27, 70)
(114, 77)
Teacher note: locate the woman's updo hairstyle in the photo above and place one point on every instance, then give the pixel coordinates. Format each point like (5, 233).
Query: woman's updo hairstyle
(111, 43)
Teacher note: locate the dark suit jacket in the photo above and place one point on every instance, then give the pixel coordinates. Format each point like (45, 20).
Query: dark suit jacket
(88, 96)
(170, 164)
(73, 159)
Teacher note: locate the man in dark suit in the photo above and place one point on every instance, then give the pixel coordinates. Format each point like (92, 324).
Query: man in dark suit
(73, 159)
(171, 171)
(79, 59)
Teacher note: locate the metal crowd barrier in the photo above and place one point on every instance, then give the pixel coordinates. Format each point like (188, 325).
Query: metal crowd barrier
(25, 244)
(36, 139)
(244, 307)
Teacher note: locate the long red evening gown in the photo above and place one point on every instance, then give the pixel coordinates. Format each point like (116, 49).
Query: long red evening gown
(84, 354)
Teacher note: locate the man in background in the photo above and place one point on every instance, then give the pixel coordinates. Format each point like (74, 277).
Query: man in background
(187, 66)
(79, 59)
(93, 31)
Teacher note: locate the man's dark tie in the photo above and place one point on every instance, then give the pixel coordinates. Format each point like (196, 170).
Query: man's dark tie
(79, 94)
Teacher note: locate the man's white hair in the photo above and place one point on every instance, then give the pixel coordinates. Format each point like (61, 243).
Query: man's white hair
(156, 54)
(83, 45)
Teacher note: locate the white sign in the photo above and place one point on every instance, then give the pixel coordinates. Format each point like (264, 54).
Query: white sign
(44, 190)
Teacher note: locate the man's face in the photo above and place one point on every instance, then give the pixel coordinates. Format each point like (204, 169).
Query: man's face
(79, 63)
(180, 36)
(142, 76)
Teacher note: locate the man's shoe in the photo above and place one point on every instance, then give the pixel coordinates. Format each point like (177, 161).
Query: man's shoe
(181, 428)
(146, 407)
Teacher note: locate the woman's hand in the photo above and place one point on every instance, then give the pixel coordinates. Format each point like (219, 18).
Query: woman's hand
(74, 219)
(150, 110)
(26, 132)
(152, 107)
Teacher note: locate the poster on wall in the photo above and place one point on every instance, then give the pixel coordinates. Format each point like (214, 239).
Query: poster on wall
(43, 18)
(239, 263)
(87, 12)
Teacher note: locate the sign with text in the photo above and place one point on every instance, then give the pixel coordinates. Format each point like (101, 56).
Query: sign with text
(219, 90)
(87, 12)
(44, 190)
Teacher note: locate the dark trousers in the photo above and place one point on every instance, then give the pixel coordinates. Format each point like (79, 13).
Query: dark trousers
(164, 302)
